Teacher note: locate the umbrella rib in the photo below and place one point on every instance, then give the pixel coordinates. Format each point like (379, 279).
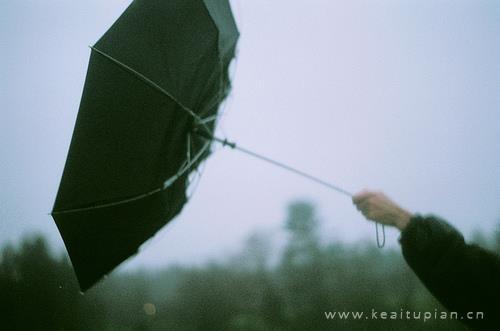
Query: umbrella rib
(147, 80)
(167, 183)
(189, 147)
(208, 119)
(182, 171)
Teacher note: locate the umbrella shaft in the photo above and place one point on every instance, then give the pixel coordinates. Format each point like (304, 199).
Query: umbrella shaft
(282, 165)
(232, 145)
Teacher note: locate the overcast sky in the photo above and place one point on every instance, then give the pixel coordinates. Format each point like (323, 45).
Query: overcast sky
(402, 96)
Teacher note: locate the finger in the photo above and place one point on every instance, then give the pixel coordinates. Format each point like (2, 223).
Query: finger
(377, 216)
(361, 196)
(368, 215)
(364, 205)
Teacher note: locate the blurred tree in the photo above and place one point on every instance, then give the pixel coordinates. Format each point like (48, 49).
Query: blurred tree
(250, 292)
(479, 238)
(303, 275)
(38, 291)
(257, 251)
(302, 226)
(496, 239)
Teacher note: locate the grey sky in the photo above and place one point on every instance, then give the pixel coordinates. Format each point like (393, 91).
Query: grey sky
(397, 95)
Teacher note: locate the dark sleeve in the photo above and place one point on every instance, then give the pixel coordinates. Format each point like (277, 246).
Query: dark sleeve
(464, 278)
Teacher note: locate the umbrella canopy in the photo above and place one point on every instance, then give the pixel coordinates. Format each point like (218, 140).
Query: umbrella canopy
(156, 76)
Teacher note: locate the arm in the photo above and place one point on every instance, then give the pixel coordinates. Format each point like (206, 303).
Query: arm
(464, 278)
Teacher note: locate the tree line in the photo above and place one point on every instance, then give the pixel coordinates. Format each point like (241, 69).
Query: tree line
(255, 290)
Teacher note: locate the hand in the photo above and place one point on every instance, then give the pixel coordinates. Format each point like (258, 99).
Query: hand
(377, 207)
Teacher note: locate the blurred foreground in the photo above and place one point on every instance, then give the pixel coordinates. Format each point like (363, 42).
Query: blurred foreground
(252, 291)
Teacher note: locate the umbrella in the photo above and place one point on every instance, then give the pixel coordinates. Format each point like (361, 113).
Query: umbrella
(146, 121)
(154, 84)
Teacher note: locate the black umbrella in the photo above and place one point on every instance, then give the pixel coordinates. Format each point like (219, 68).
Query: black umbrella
(154, 85)
(147, 116)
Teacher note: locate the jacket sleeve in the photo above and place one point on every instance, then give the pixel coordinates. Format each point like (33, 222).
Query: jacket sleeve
(463, 277)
